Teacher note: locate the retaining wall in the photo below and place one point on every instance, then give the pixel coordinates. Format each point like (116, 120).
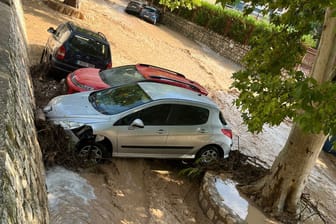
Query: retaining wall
(222, 45)
(23, 197)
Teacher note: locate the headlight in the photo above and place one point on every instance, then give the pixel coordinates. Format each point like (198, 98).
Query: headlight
(69, 124)
(47, 109)
(80, 85)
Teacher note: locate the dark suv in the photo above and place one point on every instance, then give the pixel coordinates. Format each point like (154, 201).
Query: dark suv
(71, 47)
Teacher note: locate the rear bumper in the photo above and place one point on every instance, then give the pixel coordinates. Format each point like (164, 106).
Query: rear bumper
(62, 67)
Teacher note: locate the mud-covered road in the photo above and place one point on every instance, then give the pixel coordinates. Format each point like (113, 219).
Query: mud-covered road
(131, 191)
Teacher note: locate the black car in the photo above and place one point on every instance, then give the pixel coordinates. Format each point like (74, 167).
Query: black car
(135, 7)
(329, 145)
(71, 47)
(150, 14)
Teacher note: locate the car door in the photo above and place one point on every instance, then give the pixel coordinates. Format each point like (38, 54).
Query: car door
(188, 129)
(146, 141)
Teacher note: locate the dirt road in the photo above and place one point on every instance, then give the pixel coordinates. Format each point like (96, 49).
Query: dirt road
(150, 191)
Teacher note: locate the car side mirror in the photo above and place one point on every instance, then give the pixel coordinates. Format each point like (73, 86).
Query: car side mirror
(137, 123)
(51, 30)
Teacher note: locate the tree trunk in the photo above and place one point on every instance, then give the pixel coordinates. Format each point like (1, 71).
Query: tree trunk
(281, 189)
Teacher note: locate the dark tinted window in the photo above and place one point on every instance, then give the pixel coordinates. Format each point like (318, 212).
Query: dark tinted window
(89, 46)
(221, 118)
(187, 115)
(156, 115)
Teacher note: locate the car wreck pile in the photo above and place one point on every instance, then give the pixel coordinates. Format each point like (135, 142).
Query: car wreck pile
(141, 110)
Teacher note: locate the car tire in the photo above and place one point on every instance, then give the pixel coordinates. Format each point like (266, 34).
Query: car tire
(92, 152)
(208, 154)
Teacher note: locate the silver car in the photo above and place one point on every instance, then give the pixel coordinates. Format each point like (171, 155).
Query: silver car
(146, 119)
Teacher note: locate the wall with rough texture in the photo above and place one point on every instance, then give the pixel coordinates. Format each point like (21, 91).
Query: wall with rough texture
(23, 197)
(222, 45)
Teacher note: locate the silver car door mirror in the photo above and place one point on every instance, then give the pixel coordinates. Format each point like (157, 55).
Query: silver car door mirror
(137, 123)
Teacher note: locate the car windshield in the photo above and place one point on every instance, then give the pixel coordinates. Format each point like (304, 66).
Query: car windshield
(121, 75)
(89, 46)
(116, 100)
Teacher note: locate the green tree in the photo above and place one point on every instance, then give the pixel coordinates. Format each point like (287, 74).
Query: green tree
(271, 90)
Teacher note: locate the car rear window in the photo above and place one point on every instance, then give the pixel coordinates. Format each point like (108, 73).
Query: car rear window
(221, 118)
(121, 75)
(116, 100)
(89, 46)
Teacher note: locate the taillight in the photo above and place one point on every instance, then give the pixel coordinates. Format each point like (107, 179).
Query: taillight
(227, 132)
(109, 65)
(60, 54)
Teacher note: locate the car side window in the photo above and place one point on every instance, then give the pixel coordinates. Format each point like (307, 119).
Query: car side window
(155, 115)
(187, 115)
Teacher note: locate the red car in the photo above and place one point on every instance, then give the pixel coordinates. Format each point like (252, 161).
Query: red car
(85, 79)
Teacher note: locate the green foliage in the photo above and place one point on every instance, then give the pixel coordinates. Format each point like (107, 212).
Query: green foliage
(192, 172)
(271, 89)
(175, 4)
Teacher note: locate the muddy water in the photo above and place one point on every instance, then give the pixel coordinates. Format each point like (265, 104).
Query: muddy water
(69, 196)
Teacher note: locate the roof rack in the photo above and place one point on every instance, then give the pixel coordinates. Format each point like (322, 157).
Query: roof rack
(164, 69)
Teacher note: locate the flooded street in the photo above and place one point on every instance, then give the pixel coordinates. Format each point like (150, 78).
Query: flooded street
(131, 191)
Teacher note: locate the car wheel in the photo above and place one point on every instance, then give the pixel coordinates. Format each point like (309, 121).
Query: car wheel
(92, 152)
(208, 155)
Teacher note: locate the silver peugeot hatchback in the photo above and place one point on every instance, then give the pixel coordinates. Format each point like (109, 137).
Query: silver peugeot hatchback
(146, 119)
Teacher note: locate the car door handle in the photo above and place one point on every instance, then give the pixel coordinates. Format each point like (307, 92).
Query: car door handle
(160, 131)
(202, 130)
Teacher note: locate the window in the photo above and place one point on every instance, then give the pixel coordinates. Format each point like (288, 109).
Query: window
(221, 118)
(121, 75)
(116, 100)
(89, 46)
(155, 115)
(187, 115)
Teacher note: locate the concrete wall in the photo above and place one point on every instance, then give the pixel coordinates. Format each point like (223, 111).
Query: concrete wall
(23, 197)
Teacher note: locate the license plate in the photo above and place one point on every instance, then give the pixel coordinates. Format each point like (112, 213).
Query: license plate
(85, 64)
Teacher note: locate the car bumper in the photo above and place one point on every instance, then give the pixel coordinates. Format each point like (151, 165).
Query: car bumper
(62, 67)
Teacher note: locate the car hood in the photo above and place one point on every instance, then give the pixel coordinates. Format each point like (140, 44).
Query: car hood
(90, 77)
(72, 107)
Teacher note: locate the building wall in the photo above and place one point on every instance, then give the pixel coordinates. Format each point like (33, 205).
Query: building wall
(23, 197)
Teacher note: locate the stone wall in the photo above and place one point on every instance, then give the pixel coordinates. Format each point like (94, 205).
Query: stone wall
(222, 45)
(213, 205)
(23, 197)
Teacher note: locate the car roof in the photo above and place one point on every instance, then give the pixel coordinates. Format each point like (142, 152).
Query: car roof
(159, 91)
(155, 73)
(151, 7)
(87, 33)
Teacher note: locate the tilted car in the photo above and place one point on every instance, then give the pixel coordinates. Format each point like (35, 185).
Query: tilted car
(93, 79)
(150, 14)
(145, 119)
(135, 7)
(71, 47)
